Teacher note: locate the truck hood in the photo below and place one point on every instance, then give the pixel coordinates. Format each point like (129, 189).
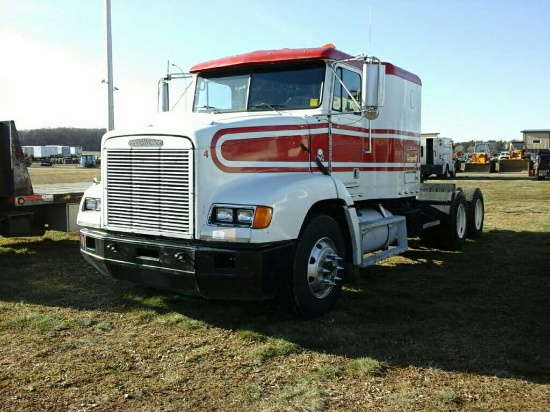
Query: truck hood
(201, 127)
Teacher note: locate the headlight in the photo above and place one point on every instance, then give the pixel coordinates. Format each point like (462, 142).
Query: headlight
(256, 217)
(245, 215)
(224, 214)
(92, 203)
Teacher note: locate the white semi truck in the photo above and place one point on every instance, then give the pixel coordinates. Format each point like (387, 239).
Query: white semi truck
(276, 173)
(436, 157)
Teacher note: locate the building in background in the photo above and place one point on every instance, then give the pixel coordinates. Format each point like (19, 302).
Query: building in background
(536, 139)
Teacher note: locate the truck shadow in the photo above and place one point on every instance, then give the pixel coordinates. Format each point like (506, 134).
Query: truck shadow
(484, 311)
(50, 272)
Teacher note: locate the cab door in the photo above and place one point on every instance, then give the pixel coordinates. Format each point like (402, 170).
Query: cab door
(347, 129)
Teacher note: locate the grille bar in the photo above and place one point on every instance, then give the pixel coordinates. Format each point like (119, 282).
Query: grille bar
(149, 191)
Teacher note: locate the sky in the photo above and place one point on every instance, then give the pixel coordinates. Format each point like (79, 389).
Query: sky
(484, 64)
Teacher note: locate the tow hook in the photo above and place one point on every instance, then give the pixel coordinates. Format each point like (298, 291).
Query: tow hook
(180, 256)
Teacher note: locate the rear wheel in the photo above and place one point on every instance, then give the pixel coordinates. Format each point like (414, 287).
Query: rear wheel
(452, 173)
(454, 230)
(447, 174)
(317, 277)
(451, 233)
(476, 211)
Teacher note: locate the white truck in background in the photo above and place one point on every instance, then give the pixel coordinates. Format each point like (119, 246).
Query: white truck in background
(277, 172)
(436, 156)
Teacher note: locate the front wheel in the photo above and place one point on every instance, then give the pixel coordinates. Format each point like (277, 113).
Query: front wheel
(317, 273)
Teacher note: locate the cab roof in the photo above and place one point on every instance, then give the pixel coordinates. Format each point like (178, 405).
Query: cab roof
(328, 52)
(262, 57)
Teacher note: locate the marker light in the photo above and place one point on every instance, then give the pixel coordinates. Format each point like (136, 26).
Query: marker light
(262, 218)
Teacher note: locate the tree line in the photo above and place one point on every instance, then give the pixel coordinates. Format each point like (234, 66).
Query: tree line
(88, 139)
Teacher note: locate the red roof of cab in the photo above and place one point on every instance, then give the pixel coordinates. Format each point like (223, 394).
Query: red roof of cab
(271, 56)
(328, 52)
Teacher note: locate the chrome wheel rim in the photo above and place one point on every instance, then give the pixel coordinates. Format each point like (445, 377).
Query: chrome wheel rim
(461, 221)
(322, 268)
(478, 214)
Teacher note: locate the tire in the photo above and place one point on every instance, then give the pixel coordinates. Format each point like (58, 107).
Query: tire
(317, 275)
(445, 174)
(476, 212)
(452, 232)
(455, 229)
(452, 174)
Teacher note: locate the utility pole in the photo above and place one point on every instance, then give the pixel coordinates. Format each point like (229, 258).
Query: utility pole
(110, 84)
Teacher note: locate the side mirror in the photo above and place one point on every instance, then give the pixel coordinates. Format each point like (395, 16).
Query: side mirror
(373, 87)
(163, 89)
(165, 96)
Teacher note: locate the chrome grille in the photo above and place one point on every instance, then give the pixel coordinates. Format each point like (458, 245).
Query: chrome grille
(149, 191)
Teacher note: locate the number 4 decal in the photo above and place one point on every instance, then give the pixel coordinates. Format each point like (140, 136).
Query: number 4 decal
(205, 154)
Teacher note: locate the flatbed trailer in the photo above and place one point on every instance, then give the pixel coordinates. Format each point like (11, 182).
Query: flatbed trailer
(26, 210)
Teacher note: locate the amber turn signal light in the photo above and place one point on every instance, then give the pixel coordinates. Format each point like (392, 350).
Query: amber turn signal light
(262, 217)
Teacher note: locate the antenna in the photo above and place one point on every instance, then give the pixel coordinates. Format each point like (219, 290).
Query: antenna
(370, 31)
(110, 101)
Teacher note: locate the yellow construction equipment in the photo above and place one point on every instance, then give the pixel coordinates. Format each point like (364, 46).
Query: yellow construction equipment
(480, 159)
(519, 158)
(518, 149)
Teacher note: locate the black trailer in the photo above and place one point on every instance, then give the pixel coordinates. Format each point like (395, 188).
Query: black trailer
(28, 211)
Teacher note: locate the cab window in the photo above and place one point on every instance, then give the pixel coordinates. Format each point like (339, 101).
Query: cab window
(342, 100)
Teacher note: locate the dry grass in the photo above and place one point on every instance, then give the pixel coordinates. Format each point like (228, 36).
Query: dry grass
(61, 174)
(425, 331)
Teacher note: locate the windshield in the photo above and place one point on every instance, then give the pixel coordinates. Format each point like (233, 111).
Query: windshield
(517, 145)
(296, 86)
(481, 148)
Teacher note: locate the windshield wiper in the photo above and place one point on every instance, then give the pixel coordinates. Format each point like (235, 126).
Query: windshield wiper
(209, 108)
(261, 105)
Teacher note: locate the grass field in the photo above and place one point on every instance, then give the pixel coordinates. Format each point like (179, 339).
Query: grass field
(62, 174)
(425, 331)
